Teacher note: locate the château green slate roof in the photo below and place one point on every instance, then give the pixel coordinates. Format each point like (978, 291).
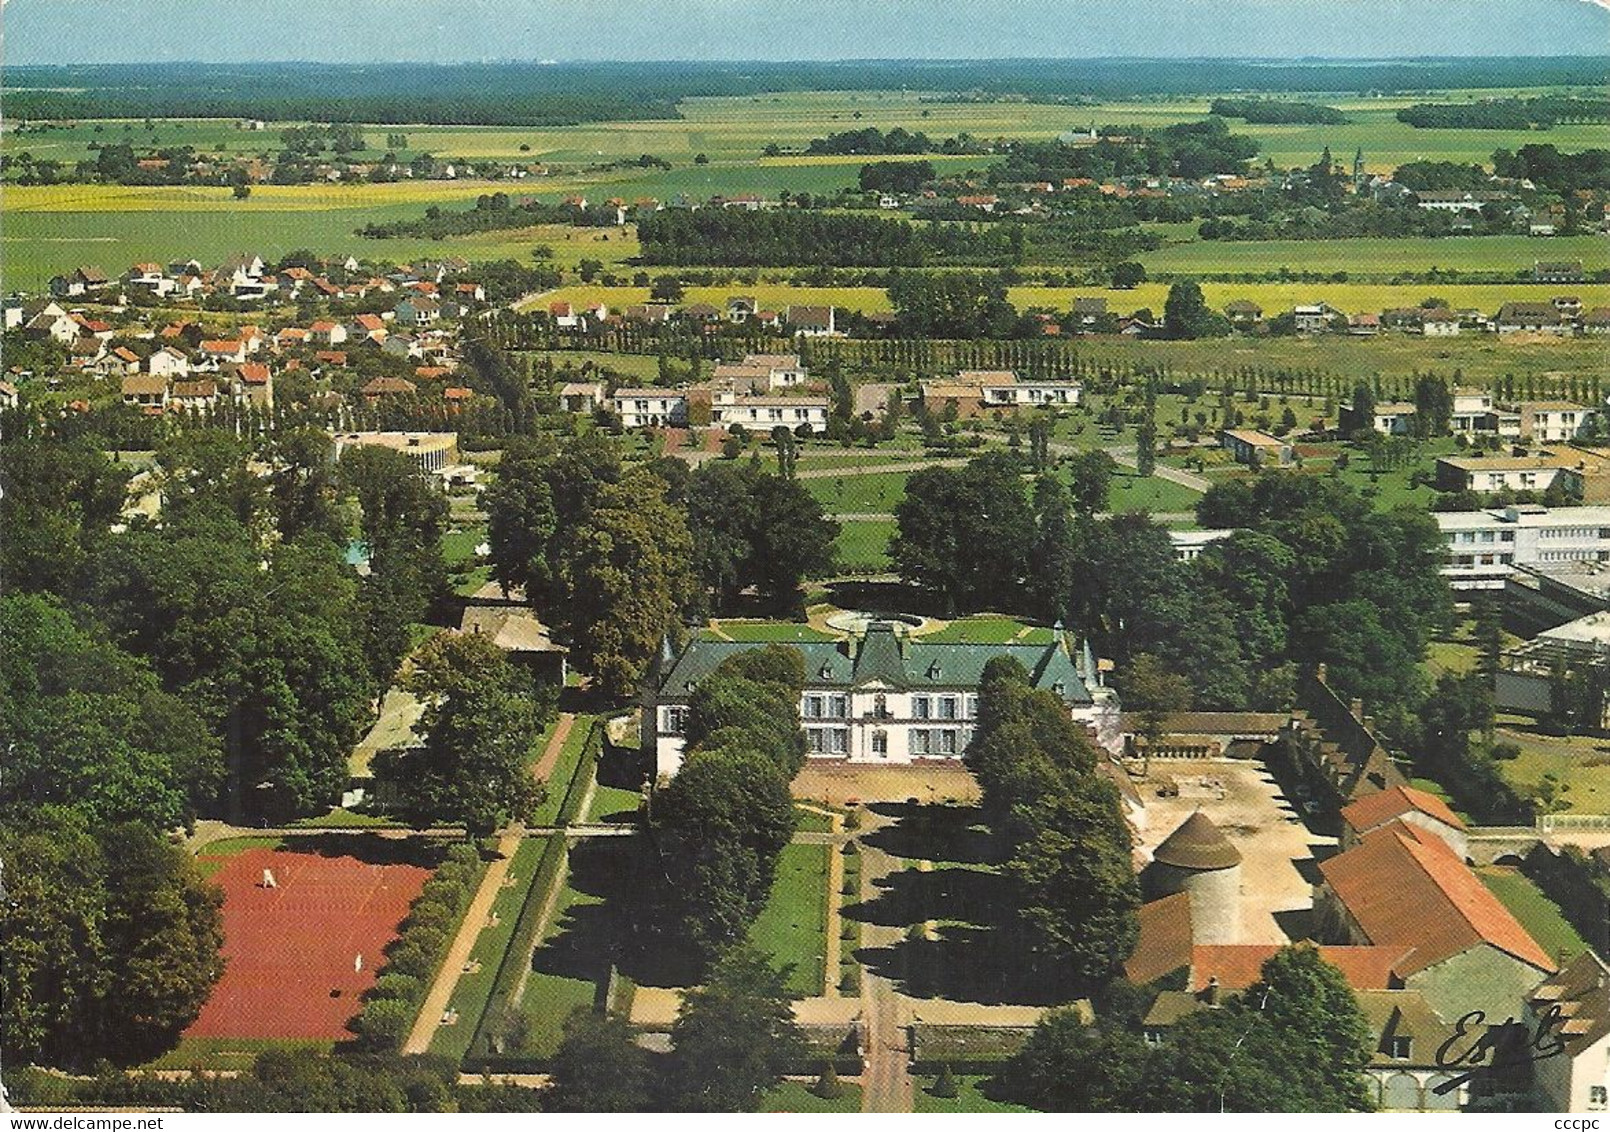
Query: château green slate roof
(881, 657)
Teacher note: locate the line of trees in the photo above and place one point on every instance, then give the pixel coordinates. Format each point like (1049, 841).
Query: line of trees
(1505, 113)
(1269, 111)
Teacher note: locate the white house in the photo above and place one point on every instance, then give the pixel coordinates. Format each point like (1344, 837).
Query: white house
(1017, 393)
(1439, 323)
(1551, 422)
(812, 322)
(783, 371)
(764, 413)
(1189, 545)
(882, 697)
(651, 408)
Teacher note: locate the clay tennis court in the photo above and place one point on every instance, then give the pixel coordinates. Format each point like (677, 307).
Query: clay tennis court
(290, 951)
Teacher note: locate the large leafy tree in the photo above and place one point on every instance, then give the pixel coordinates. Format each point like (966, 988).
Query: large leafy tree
(89, 727)
(1187, 315)
(1069, 860)
(266, 649)
(481, 723)
(963, 532)
(599, 1067)
(720, 826)
(57, 499)
(109, 940)
(403, 516)
(735, 1037)
(756, 693)
(751, 528)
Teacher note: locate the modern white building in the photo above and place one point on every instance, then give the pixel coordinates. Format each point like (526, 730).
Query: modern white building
(881, 696)
(651, 408)
(1019, 393)
(1189, 545)
(1484, 547)
(1551, 422)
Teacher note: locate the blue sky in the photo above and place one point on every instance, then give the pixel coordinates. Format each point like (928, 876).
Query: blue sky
(356, 31)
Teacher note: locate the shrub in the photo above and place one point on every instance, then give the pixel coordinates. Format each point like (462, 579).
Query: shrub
(385, 1022)
(828, 1086)
(396, 986)
(1506, 752)
(427, 916)
(945, 1085)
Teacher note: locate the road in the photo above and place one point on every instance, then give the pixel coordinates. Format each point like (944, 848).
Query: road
(886, 1077)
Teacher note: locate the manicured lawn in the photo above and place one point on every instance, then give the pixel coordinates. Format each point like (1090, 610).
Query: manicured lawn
(812, 821)
(1130, 492)
(873, 493)
(339, 818)
(796, 1096)
(212, 857)
(475, 987)
(1539, 915)
(459, 546)
(968, 1098)
(862, 545)
(551, 992)
(610, 800)
(1450, 657)
(977, 631)
(792, 927)
(767, 632)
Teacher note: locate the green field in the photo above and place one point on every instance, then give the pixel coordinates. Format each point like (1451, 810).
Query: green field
(969, 1098)
(796, 1096)
(863, 545)
(766, 632)
(1581, 765)
(1375, 256)
(552, 993)
(547, 811)
(1539, 915)
(229, 1054)
(53, 228)
(873, 493)
(1131, 492)
(985, 630)
(792, 928)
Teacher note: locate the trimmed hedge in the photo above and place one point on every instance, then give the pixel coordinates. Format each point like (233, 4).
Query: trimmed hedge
(413, 960)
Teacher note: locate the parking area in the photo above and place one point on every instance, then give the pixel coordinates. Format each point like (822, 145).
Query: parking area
(1277, 849)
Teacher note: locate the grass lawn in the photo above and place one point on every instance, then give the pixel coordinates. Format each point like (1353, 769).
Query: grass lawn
(811, 820)
(475, 987)
(563, 771)
(968, 1098)
(796, 1096)
(212, 857)
(459, 546)
(1451, 657)
(977, 631)
(768, 632)
(1131, 492)
(610, 800)
(792, 928)
(863, 545)
(1380, 256)
(340, 818)
(1539, 915)
(551, 993)
(229, 1053)
(872, 493)
(1580, 763)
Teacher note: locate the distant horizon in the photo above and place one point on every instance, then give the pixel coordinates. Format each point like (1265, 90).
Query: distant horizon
(377, 32)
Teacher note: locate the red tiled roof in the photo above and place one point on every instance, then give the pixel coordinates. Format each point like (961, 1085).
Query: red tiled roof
(389, 385)
(1164, 945)
(1405, 887)
(253, 373)
(1238, 966)
(1377, 809)
(220, 346)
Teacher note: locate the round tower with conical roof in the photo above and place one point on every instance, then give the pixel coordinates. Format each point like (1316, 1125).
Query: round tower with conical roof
(1197, 859)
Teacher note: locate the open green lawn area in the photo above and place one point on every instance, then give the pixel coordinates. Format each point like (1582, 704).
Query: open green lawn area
(611, 801)
(873, 493)
(1580, 763)
(1374, 257)
(1539, 915)
(792, 928)
(568, 766)
(552, 991)
(1450, 657)
(969, 1098)
(459, 546)
(229, 1053)
(766, 632)
(635, 368)
(1132, 492)
(863, 545)
(475, 986)
(985, 630)
(796, 1096)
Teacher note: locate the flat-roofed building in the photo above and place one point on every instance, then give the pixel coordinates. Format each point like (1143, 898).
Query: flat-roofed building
(433, 451)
